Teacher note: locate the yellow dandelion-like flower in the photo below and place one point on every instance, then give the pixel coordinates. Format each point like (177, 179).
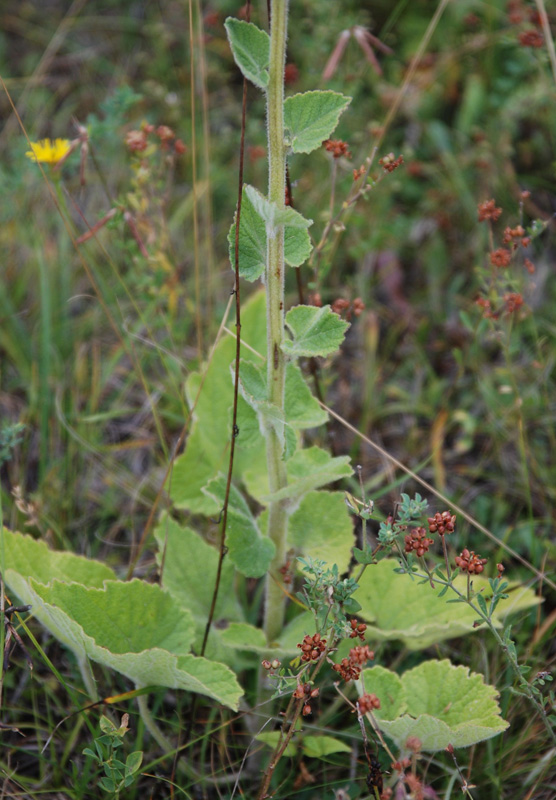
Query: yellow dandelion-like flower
(49, 152)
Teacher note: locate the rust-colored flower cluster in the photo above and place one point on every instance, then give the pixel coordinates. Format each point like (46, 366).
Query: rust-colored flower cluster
(137, 140)
(470, 562)
(347, 670)
(357, 629)
(442, 523)
(271, 665)
(361, 654)
(513, 301)
(488, 211)
(417, 541)
(337, 147)
(501, 257)
(346, 308)
(517, 14)
(311, 647)
(389, 163)
(368, 703)
(305, 691)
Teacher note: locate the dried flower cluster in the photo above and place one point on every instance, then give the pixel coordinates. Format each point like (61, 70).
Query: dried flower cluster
(470, 562)
(442, 523)
(304, 691)
(417, 541)
(357, 629)
(518, 14)
(138, 140)
(488, 211)
(348, 307)
(311, 647)
(368, 703)
(337, 147)
(389, 163)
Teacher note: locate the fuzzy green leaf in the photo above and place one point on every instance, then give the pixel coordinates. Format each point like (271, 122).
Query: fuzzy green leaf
(272, 215)
(135, 628)
(241, 636)
(315, 331)
(321, 525)
(211, 394)
(311, 117)
(247, 548)
(302, 409)
(396, 607)
(271, 738)
(188, 567)
(309, 469)
(252, 243)
(444, 704)
(32, 557)
(251, 50)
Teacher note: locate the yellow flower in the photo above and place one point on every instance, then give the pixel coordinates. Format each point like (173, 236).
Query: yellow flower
(49, 152)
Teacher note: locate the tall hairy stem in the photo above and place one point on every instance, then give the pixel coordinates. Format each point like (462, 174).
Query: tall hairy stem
(277, 520)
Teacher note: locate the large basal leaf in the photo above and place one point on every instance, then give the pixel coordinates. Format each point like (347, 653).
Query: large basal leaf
(321, 528)
(311, 117)
(315, 331)
(253, 247)
(132, 627)
(248, 549)
(309, 469)
(32, 557)
(251, 50)
(207, 447)
(397, 607)
(437, 702)
(188, 571)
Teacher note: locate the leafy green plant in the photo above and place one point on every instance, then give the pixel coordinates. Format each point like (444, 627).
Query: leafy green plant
(119, 775)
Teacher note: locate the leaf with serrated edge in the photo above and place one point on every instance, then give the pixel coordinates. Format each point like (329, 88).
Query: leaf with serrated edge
(272, 215)
(309, 469)
(135, 628)
(444, 704)
(321, 528)
(247, 548)
(311, 117)
(251, 50)
(395, 607)
(252, 243)
(315, 331)
(302, 409)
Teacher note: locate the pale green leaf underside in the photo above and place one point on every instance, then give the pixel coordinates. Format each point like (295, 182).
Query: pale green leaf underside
(207, 447)
(311, 117)
(397, 607)
(251, 50)
(315, 331)
(252, 243)
(438, 702)
(132, 627)
(322, 746)
(247, 548)
(322, 525)
(180, 552)
(273, 215)
(309, 469)
(32, 557)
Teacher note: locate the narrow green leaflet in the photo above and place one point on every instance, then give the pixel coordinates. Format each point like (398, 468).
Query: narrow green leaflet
(32, 557)
(315, 331)
(133, 627)
(309, 469)
(247, 548)
(311, 117)
(251, 50)
(396, 607)
(438, 702)
(272, 215)
(180, 552)
(322, 525)
(252, 243)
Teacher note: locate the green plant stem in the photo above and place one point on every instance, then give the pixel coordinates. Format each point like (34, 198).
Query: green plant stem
(151, 725)
(274, 274)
